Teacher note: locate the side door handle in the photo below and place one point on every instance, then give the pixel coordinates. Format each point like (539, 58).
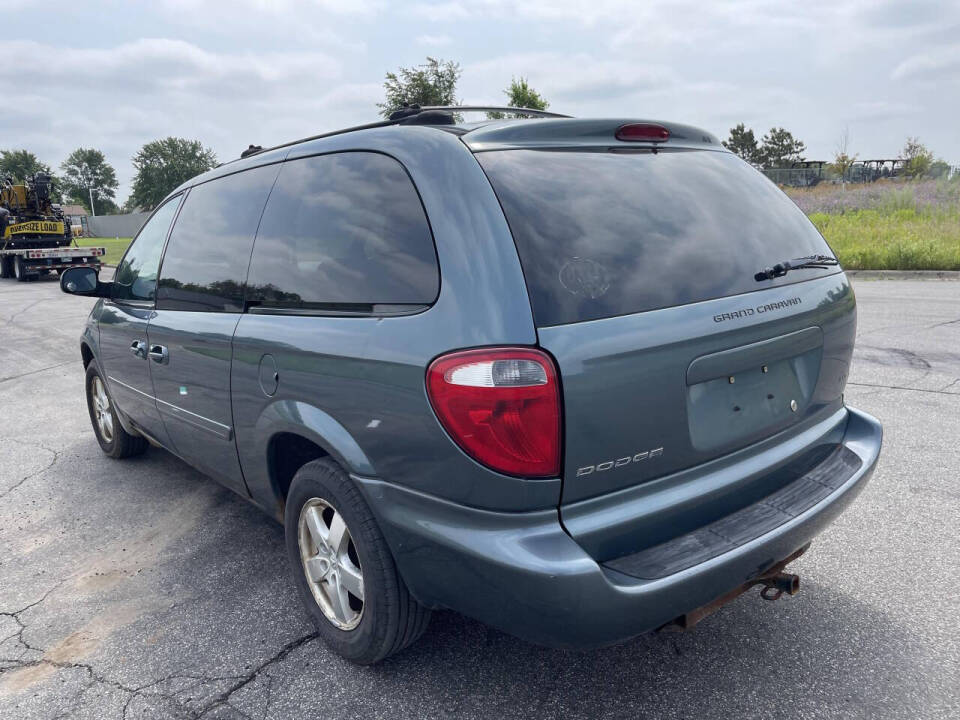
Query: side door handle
(139, 348)
(159, 354)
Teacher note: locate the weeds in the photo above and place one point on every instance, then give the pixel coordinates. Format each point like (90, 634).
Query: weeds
(888, 225)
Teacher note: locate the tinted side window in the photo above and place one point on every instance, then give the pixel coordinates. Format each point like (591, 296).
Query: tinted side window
(209, 249)
(343, 229)
(136, 276)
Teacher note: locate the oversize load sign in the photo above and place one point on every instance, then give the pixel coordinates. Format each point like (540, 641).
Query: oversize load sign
(33, 227)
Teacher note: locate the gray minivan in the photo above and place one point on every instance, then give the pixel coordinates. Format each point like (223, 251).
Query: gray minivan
(578, 379)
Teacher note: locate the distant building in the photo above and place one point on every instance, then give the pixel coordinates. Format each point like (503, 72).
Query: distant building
(74, 211)
(76, 215)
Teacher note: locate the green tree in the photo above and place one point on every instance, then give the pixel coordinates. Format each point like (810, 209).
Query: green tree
(433, 83)
(85, 172)
(842, 159)
(162, 165)
(918, 158)
(779, 148)
(743, 143)
(939, 169)
(520, 95)
(20, 165)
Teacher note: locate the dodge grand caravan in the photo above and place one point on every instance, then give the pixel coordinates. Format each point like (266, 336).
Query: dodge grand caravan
(578, 379)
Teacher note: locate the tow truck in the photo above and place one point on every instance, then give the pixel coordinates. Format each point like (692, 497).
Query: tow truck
(35, 239)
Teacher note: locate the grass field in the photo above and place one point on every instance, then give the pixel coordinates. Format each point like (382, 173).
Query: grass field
(888, 225)
(880, 226)
(115, 247)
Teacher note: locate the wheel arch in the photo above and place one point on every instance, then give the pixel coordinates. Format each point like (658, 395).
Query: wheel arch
(296, 433)
(287, 452)
(86, 353)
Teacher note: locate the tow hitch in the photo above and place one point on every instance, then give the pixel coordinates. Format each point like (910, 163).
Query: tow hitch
(774, 587)
(775, 583)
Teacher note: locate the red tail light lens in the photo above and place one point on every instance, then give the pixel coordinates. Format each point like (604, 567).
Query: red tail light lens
(501, 406)
(642, 132)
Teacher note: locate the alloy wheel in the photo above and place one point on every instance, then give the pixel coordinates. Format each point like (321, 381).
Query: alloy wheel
(101, 409)
(330, 563)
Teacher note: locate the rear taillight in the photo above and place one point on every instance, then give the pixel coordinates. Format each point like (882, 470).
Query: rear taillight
(501, 406)
(642, 132)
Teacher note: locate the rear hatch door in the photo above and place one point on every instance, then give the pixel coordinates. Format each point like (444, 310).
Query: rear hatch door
(640, 267)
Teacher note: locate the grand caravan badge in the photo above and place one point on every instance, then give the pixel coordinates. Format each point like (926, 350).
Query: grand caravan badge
(620, 462)
(758, 310)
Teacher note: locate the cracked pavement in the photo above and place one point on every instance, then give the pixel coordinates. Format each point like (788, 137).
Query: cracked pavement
(140, 589)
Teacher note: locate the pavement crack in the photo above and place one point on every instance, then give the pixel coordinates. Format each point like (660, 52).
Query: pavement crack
(22, 626)
(224, 697)
(148, 690)
(35, 372)
(941, 391)
(35, 473)
(22, 310)
(48, 593)
(942, 324)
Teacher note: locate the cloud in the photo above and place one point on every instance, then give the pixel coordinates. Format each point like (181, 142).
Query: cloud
(120, 97)
(575, 77)
(275, 7)
(434, 40)
(883, 110)
(268, 71)
(145, 66)
(928, 63)
(440, 12)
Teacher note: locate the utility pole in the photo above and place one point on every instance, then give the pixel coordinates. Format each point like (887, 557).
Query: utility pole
(93, 210)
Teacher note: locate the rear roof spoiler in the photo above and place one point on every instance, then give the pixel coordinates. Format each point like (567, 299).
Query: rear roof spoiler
(581, 132)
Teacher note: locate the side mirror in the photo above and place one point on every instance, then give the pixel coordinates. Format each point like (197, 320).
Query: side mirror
(83, 281)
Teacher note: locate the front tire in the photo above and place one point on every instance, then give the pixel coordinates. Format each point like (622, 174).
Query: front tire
(114, 440)
(6, 268)
(343, 569)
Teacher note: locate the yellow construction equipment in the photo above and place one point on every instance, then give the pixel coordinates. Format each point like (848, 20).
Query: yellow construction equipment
(28, 216)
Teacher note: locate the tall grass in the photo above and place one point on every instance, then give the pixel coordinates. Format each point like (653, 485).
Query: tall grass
(888, 225)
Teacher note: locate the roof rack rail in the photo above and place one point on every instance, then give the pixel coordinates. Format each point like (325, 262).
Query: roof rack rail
(405, 113)
(495, 108)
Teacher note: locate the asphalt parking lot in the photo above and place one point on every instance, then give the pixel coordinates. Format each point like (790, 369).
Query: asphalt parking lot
(140, 589)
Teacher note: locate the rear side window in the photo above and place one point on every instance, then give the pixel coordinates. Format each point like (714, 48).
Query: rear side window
(343, 231)
(209, 248)
(604, 233)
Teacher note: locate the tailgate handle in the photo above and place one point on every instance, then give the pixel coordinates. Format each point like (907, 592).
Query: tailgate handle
(730, 362)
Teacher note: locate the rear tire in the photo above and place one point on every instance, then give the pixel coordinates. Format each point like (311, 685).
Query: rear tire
(387, 618)
(6, 269)
(114, 440)
(19, 269)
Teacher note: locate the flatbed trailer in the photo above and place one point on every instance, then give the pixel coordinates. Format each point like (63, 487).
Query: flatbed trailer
(30, 263)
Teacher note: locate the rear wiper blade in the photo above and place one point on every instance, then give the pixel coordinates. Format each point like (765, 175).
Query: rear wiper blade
(782, 268)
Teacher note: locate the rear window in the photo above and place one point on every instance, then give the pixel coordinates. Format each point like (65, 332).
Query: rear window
(605, 233)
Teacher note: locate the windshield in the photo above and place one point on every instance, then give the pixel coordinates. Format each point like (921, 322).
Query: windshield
(612, 232)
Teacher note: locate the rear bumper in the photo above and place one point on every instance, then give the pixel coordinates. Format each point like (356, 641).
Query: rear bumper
(522, 573)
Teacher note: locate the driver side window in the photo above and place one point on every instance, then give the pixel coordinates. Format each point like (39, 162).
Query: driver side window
(136, 276)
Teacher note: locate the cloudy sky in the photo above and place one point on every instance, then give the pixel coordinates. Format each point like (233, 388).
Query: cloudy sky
(114, 75)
